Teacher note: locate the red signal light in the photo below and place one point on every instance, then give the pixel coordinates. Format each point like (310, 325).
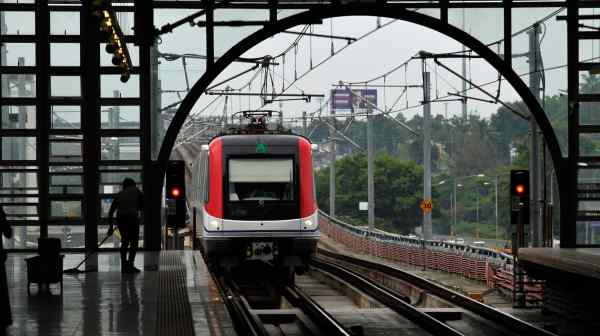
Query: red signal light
(520, 189)
(175, 192)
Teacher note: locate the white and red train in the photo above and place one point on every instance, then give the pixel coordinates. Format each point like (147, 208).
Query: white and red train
(254, 193)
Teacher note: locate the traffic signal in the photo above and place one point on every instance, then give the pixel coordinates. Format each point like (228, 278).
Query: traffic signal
(175, 194)
(176, 180)
(519, 196)
(110, 32)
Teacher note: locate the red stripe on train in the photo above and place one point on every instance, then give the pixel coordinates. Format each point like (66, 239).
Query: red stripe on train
(307, 200)
(214, 206)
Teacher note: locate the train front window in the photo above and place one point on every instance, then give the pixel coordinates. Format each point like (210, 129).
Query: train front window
(261, 180)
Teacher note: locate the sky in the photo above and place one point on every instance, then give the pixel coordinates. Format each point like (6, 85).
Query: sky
(382, 50)
(374, 55)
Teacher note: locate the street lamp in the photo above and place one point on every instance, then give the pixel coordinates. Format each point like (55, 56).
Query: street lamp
(460, 185)
(453, 201)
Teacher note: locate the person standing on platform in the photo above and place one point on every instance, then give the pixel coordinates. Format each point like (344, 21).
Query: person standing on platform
(128, 203)
(5, 316)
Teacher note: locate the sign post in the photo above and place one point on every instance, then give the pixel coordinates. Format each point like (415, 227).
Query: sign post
(426, 205)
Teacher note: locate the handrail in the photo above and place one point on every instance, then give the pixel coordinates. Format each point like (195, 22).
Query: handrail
(475, 252)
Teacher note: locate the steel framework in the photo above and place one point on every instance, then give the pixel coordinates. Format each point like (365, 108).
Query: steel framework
(95, 169)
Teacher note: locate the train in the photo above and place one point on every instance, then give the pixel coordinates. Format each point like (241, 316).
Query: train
(253, 188)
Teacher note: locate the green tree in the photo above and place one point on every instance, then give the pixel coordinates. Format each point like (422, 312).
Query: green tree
(398, 191)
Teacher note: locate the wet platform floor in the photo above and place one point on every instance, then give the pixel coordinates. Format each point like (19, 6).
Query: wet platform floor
(107, 302)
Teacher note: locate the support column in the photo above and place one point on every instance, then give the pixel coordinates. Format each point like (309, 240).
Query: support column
(427, 225)
(90, 118)
(536, 169)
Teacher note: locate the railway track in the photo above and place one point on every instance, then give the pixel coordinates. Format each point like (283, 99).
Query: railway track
(256, 309)
(469, 317)
(298, 314)
(268, 307)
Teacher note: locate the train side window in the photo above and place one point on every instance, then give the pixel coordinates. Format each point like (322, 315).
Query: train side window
(206, 180)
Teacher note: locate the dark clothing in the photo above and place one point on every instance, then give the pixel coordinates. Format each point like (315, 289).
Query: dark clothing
(5, 316)
(128, 203)
(129, 226)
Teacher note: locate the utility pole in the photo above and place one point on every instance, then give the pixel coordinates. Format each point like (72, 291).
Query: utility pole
(464, 73)
(370, 170)
(332, 153)
(453, 210)
(496, 205)
(427, 226)
(477, 211)
(224, 117)
(304, 129)
(536, 215)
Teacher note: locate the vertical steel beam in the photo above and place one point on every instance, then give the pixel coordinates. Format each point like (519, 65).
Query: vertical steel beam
(90, 119)
(568, 199)
(444, 10)
(42, 24)
(210, 34)
(152, 223)
(273, 11)
(507, 32)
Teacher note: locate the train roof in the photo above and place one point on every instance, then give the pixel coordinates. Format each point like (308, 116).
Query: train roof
(289, 139)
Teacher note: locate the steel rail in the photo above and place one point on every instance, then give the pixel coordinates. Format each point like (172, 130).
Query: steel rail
(314, 311)
(244, 321)
(388, 298)
(510, 322)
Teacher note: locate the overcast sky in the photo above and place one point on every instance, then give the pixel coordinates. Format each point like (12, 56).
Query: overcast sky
(374, 55)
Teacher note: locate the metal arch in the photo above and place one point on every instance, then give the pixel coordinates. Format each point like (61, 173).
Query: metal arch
(312, 15)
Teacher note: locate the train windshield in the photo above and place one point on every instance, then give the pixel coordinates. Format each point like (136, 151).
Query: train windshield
(265, 179)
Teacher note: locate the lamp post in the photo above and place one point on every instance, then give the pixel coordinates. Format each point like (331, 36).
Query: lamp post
(454, 202)
(477, 199)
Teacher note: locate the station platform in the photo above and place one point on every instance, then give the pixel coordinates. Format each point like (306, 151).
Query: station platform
(571, 280)
(584, 262)
(174, 295)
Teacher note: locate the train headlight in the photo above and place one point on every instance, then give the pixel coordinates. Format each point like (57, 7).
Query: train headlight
(214, 224)
(309, 224)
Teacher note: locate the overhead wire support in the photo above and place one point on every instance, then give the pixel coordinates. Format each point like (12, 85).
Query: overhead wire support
(336, 37)
(224, 92)
(376, 85)
(373, 106)
(352, 142)
(473, 85)
(168, 28)
(233, 77)
(173, 57)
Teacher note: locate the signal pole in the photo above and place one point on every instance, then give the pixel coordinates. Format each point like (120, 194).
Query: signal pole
(427, 225)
